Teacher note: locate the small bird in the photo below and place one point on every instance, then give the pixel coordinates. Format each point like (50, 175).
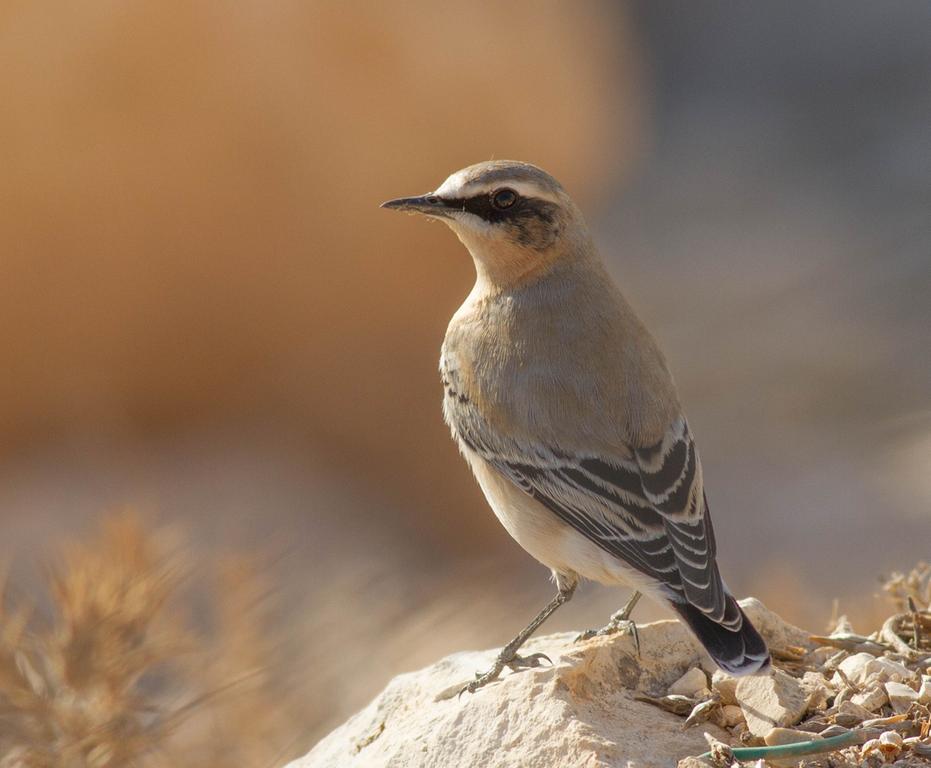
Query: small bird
(562, 404)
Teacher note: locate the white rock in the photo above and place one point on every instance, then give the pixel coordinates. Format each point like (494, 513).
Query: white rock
(691, 684)
(771, 700)
(861, 666)
(890, 743)
(844, 696)
(854, 668)
(892, 669)
(869, 746)
(731, 715)
(776, 632)
(694, 762)
(901, 697)
(892, 738)
(777, 736)
(581, 711)
(817, 689)
(725, 686)
(872, 699)
(782, 736)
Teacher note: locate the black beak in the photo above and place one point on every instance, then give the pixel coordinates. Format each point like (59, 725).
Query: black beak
(428, 204)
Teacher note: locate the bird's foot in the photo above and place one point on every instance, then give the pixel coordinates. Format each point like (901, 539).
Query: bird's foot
(528, 662)
(620, 623)
(513, 662)
(616, 626)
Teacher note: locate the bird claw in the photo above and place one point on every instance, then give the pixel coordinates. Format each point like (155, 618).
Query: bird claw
(528, 662)
(623, 626)
(480, 681)
(515, 663)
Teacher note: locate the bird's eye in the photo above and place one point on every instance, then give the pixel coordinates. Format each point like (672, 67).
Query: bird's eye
(503, 198)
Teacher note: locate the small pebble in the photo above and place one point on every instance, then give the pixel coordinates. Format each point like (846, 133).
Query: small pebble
(691, 684)
(891, 737)
(901, 697)
(732, 715)
(861, 666)
(725, 686)
(772, 700)
(850, 714)
(844, 696)
(890, 744)
(818, 689)
(870, 746)
(871, 699)
(813, 725)
(779, 736)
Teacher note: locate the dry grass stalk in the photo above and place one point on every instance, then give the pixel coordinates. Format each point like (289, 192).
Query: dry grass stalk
(916, 584)
(116, 677)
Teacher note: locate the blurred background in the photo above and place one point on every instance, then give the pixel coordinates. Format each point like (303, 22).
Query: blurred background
(205, 316)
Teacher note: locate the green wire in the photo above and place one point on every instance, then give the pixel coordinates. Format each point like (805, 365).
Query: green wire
(796, 750)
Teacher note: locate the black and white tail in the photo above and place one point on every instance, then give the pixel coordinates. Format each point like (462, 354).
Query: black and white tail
(738, 651)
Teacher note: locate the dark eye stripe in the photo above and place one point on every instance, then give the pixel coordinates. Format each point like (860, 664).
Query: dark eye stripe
(529, 221)
(483, 207)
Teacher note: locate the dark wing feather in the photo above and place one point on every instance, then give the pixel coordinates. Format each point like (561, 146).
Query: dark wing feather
(649, 511)
(672, 482)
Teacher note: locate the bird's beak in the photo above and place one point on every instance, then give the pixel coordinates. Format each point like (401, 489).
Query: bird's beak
(431, 205)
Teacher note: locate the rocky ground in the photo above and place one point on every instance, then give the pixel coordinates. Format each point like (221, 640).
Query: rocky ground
(836, 700)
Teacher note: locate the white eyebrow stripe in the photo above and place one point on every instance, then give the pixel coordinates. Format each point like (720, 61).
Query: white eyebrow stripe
(452, 188)
(456, 188)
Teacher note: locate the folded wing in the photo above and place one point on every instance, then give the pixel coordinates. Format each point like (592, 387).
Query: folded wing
(648, 510)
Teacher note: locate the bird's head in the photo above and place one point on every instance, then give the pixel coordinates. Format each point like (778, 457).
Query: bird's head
(515, 219)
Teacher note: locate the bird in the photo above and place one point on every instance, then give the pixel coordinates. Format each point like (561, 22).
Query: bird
(563, 405)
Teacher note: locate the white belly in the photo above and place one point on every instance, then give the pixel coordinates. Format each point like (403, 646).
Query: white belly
(547, 538)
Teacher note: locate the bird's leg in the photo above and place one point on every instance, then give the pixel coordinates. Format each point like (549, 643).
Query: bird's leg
(508, 656)
(619, 622)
